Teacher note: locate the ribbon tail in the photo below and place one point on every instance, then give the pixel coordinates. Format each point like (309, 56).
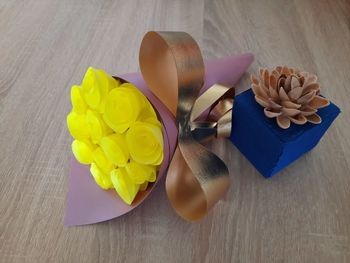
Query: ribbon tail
(196, 180)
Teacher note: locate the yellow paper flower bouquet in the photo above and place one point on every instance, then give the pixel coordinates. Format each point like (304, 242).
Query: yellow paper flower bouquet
(117, 132)
(149, 125)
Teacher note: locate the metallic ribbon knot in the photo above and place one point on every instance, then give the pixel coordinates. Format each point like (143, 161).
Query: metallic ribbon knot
(173, 68)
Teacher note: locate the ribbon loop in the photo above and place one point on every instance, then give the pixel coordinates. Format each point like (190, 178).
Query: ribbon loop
(164, 74)
(172, 66)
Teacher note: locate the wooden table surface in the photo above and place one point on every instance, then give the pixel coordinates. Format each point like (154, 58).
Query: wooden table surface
(300, 215)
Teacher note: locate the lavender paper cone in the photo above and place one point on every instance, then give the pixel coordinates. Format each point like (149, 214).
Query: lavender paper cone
(87, 203)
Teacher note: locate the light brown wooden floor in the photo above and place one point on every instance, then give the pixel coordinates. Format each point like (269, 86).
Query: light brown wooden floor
(301, 215)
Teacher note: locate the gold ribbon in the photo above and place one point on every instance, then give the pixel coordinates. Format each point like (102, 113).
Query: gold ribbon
(172, 66)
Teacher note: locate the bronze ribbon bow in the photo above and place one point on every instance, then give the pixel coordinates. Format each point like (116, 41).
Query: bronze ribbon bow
(172, 66)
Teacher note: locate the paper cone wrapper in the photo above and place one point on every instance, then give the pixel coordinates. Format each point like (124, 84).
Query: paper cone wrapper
(87, 203)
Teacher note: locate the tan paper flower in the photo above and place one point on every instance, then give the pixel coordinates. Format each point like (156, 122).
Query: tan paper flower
(289, 95)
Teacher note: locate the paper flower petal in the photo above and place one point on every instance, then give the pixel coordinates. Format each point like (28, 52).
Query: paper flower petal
(103, 180)
(78, 104)
(148, 112)
(90, 88)
(125, 187)
(83, 151)
(115, 148)
(140, 173)
(78, 126)
(153, 121)
(101, 160)
(97, 127)
(108, 83)
(95, 87)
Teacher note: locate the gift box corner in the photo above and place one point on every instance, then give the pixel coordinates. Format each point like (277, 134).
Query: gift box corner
(268, 147)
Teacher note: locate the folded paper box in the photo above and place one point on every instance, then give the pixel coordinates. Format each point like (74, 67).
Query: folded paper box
(268, 147)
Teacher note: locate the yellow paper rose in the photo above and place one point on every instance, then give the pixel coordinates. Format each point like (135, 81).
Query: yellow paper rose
(145, 143)
(102, 179)
(95, 87)
(78, 104)
(140, 173)
(123, 107)
(83, 151)
(78, 126)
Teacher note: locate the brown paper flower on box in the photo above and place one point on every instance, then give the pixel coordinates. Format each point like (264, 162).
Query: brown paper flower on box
(289, 95)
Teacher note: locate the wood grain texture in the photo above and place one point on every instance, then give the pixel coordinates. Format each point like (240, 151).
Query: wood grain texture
(300, 215)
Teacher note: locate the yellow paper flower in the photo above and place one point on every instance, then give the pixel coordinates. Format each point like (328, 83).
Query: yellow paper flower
(95, 87)
(101, 160)
(140, 173)
(78, 104)
(117, 132)
(97, 126)
(78, 126)
(115, 148)
(125, 187)
(149, 115)
(102, 179)
(123, 106)
(83, 151)
(148, 111)
(145, 143)
(110, 83)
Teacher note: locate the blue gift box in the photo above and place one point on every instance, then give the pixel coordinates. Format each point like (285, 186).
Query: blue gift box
(268, 147)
